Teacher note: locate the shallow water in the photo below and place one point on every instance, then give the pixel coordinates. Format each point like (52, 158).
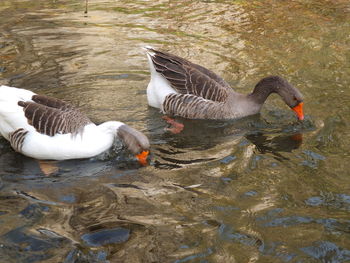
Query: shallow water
(266, 188)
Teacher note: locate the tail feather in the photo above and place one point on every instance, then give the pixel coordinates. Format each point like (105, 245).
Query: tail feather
(150, 50)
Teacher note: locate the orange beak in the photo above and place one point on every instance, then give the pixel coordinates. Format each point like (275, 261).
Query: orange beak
(142, 157)
(299, 110)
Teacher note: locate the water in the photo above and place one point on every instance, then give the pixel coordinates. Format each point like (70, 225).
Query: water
(266, 188)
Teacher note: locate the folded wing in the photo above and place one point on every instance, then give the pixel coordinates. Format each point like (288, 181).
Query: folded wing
(193, 107)
(51, 116)
(189, 78)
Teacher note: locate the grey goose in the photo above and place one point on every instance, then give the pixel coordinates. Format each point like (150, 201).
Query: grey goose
(181, 88)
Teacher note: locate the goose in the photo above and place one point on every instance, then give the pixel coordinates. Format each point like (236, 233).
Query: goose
(181, 88)
(47, 128)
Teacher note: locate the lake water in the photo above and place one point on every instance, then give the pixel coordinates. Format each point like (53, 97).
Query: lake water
(266, 188)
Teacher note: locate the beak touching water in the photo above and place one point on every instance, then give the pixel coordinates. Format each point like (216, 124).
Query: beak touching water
(299, 110)
(142, 157)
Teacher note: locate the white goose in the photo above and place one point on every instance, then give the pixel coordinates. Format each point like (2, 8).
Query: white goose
(46, 128)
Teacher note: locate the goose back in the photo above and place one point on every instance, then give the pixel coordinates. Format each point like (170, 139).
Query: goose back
(189, 78)
(51, 116)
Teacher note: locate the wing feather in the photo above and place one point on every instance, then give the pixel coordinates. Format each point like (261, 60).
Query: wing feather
(192, 107)
(52, 102)
(51, 116)
(189, 78)
(16, 139)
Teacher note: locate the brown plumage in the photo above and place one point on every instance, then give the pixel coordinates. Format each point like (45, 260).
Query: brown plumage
(185, 105)
(181, 88)
(16, 139)
(51, 116)
(185, 76)
(134, 139)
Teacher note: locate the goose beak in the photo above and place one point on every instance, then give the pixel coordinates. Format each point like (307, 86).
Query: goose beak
(299, 110)
(142, 157)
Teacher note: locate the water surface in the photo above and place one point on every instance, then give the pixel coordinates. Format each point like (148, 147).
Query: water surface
(266, 188)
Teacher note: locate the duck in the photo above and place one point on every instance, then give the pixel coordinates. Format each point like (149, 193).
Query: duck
(180, 88)
(47, 128)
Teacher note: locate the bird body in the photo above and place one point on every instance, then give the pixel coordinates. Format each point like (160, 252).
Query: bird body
(11, 115)
(91, 142)
(158, 87)
(181, 88)
(42, 127)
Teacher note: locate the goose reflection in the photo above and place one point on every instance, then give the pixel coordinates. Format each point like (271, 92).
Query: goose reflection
(203, 141)
(275, 144)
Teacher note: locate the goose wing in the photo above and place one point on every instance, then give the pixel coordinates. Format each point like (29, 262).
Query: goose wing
(51, 116)
(193, 107)
(189, 78)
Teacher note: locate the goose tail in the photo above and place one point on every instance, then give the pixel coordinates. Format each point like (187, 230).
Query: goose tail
(149, 50)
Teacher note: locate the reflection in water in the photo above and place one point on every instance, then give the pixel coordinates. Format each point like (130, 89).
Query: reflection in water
(240, 190)
(201, 140)
(106, 236)
(277, 144)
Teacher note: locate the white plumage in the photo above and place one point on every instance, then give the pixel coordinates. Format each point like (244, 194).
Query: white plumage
(87, 140)
(158, 87)
(11, 115)
(93, 141)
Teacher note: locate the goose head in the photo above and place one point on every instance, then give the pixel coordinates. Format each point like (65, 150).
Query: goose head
(136, 142)
(275, 84)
